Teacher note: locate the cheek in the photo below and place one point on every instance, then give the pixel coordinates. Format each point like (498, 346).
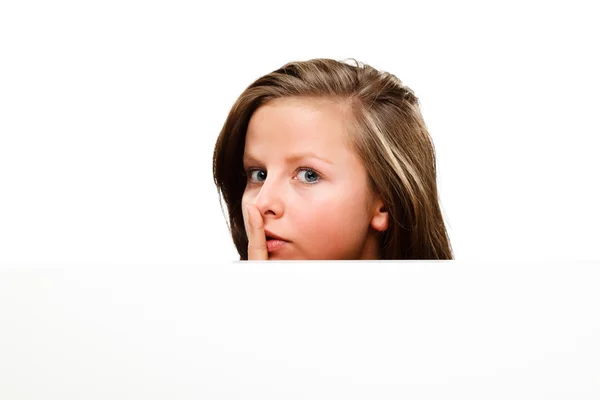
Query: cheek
(248, 197)
(333, 221)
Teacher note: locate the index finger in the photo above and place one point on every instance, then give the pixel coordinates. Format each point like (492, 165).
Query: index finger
(257, 241)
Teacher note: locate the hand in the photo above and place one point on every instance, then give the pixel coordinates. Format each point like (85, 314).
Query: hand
(255, 230)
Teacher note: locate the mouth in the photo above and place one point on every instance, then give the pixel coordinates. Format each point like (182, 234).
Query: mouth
(274, 242)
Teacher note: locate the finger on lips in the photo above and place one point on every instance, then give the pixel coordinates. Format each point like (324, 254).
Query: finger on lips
(257, 242)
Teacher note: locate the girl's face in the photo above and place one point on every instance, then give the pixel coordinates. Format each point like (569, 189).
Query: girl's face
(310, 189)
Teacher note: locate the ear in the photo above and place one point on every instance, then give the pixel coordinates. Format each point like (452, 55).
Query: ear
(380, 216)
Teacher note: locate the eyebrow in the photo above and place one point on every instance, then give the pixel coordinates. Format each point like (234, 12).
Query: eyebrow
(290, 159)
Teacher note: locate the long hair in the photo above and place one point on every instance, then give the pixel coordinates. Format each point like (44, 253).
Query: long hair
(387, 132)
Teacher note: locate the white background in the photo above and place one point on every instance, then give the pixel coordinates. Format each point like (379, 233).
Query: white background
(301, 331)
(109, 112)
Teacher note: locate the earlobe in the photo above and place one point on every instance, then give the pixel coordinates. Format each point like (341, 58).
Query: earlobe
(380, 219)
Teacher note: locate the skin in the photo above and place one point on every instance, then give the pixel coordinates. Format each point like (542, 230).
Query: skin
(320, 203)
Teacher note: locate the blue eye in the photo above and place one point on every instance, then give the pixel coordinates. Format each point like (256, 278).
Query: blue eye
(307, 175)
(257, 175)
(310, 176)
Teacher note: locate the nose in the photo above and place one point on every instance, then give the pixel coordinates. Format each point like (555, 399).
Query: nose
(269, 199)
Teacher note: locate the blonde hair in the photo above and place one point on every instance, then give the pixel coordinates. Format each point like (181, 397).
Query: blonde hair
(387, 132)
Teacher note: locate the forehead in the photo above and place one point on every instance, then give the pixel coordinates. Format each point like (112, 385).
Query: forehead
(294, 124)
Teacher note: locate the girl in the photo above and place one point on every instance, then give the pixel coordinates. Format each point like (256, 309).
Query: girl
(327, 160)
